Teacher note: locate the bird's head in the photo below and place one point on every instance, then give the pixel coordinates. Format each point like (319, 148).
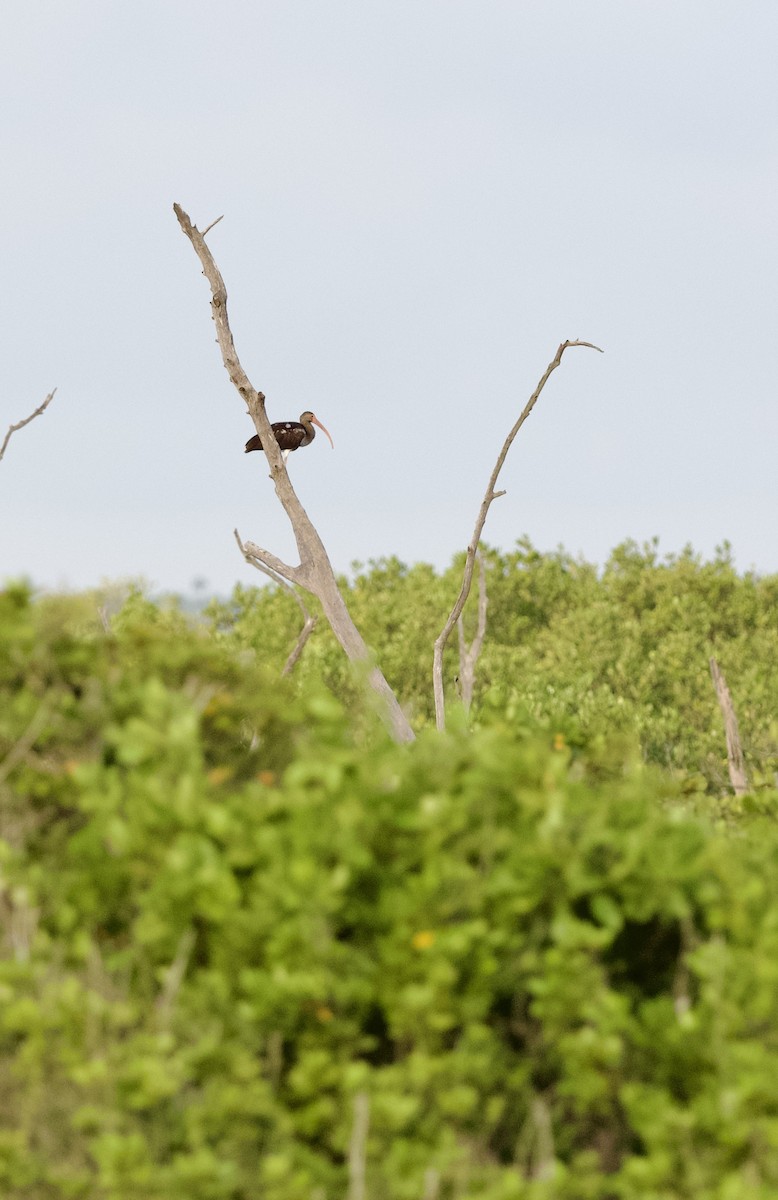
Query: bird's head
(308, 418)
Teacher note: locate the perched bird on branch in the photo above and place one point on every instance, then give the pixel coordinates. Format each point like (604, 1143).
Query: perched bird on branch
(291, 435)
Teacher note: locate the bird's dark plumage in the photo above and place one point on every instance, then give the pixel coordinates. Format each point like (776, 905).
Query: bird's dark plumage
(291, 435)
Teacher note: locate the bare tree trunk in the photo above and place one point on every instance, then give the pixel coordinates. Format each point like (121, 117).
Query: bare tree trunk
(468, 655)
(735, 760)
(491, 494)
(12, 429)
(314, 572)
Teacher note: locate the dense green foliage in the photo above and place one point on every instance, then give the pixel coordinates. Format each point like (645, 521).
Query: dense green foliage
(230, 909)
(622, 651)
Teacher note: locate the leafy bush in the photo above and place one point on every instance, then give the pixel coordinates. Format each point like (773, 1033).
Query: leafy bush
(621, 651)
(226, 919)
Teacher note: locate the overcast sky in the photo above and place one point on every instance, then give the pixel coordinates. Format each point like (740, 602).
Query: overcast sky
(421, 200)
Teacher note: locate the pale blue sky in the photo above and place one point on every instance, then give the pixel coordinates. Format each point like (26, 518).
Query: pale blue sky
(421, 199)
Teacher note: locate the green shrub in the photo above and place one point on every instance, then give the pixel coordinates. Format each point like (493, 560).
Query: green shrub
(225, 919)
(620, 651)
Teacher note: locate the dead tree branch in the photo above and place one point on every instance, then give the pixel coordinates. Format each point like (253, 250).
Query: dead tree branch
(314, 572)
(735, 759)
(490, 495)
(310, 620)
(267, 563)
(468, 655)
(305, 633)
(27, 740)
(12, 429)
(357, 1151)
(208, 228)
(276, 566)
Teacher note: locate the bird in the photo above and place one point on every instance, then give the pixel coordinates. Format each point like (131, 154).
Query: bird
(291, 435)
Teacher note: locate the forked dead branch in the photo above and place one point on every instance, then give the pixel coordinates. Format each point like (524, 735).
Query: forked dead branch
(491, 494)
(310, 620)
(314, 572)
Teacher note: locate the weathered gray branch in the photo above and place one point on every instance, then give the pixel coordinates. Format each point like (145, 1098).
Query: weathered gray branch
(490, 495)
(12, 429)
(468, 655)
(315, 571)
(735, 759)
(275, 568)
(310, 620)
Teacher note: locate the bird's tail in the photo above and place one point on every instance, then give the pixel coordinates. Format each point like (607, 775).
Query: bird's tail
(253, 443)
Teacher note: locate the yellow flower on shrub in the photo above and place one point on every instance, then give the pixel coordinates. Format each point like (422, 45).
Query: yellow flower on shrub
(423, 939)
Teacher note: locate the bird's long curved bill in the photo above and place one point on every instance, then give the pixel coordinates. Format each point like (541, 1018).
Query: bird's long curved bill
(316, 421)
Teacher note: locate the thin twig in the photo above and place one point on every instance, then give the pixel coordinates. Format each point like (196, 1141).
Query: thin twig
(310, 620)
(490, 495)
(208, 228)
(20, 424)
